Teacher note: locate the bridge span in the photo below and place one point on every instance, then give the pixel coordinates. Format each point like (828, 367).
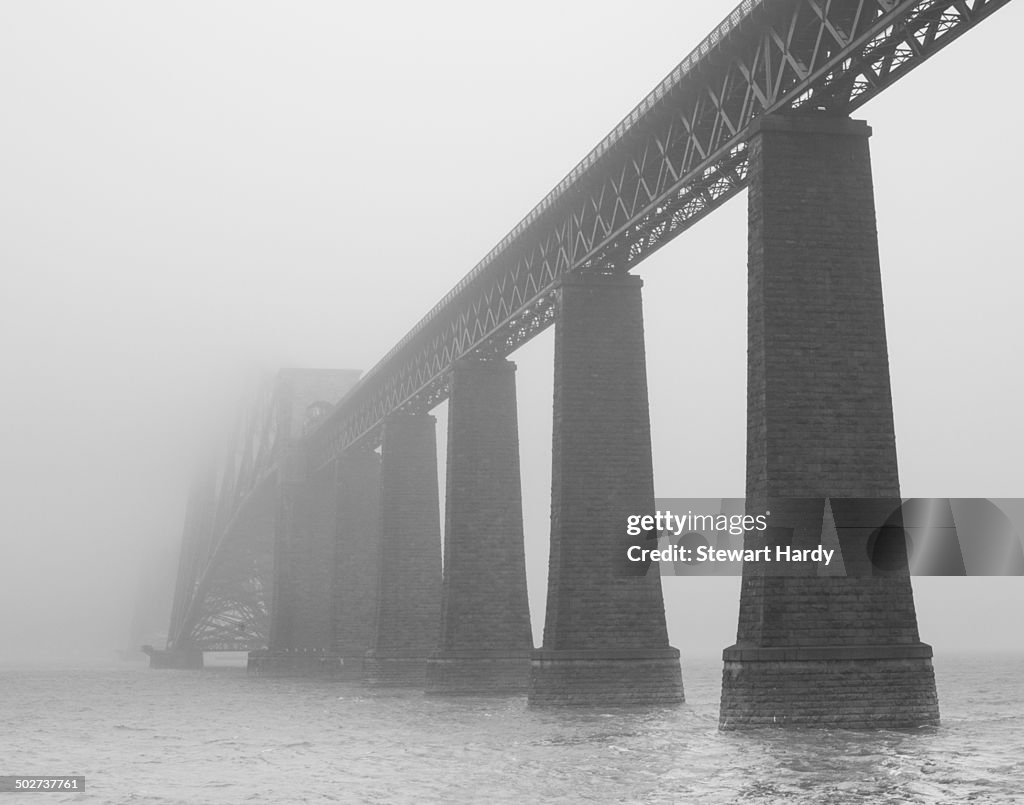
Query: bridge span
(316, 544)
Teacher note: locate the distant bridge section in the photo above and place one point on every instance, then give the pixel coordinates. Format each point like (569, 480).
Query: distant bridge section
(225, 573)
(677, 156)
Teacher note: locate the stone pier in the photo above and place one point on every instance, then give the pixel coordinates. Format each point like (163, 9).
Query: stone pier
(840, 650)
(357, 570)
(486, 640)
(302, 617)
(408, 611)
(605, 641)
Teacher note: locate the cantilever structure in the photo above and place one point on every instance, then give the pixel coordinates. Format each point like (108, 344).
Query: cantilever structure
(226, 569)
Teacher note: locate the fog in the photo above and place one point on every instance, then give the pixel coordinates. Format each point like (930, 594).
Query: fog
(195, 194)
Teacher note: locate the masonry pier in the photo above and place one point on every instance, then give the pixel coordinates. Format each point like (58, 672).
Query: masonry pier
(814, 649)
(605, 641)
(357, 568)
(301, 637)
(408, 608)
(486, 639)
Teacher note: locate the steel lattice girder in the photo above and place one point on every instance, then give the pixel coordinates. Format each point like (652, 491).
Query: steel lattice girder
(238, 558)
(231, 602)
(676, 157)
(199, 517)
(233, 614)
(232, 588)
(215, 530)
(225, 572)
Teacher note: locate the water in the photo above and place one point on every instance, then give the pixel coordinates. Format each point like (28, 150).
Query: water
(220, 736)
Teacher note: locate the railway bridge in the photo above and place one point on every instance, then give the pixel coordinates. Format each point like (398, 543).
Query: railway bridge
(316, 544)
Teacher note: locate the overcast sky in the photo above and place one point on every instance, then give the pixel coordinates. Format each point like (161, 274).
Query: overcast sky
(195, 192)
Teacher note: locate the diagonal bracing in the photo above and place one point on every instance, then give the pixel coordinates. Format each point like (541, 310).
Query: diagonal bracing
(675, 158)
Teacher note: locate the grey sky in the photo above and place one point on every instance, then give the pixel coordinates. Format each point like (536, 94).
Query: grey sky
(195, 192)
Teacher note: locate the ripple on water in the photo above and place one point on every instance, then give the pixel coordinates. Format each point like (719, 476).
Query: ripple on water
(167, 737)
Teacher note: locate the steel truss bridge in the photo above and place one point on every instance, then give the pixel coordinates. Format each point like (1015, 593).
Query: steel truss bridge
(676, 157)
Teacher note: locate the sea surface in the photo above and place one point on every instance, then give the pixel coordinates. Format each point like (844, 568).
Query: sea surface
(222, 736)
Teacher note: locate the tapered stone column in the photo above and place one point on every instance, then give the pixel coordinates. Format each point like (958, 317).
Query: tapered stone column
(408, 610)
(814, 649)
(302, 612)
(485, 622)
(357, 571)
(605, 641)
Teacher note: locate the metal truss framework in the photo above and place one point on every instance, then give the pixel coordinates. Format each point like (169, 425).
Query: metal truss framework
(225, 572)
(234, 612)
(676, 157)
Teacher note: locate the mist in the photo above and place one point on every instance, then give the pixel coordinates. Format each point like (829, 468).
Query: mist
(197, 194)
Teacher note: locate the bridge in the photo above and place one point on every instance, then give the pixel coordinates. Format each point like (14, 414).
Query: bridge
(315, 542)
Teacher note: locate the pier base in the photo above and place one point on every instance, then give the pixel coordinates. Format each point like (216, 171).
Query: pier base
(395, 671)
(178, 659)
(479, 673)
(853, 687)
(606, 678)
(294, 663)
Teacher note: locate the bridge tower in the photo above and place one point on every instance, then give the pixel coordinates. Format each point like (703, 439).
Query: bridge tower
(814, 649)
